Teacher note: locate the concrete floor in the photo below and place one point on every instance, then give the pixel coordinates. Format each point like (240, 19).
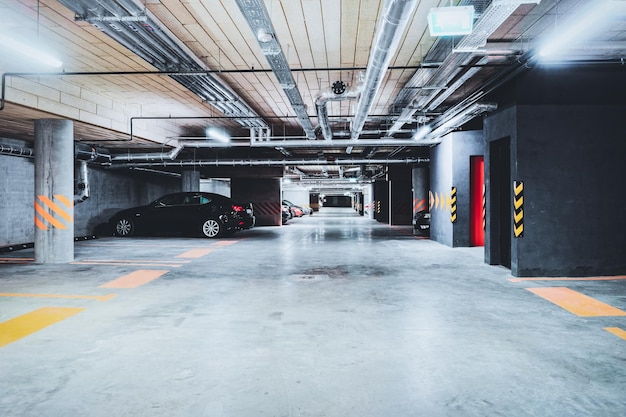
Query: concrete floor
(332, 315)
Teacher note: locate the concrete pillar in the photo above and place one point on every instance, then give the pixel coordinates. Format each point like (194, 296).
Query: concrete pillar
(265, 195)
(54, 191)
(190, 180)
(421, 186)
(400, 195)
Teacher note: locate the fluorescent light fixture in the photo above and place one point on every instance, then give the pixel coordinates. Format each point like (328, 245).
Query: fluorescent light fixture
(217, 134)
(422, 132)
(451, 21)
(582, 26)
(30, 52)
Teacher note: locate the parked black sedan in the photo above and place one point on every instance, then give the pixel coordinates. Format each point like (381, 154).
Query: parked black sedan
(206, 214)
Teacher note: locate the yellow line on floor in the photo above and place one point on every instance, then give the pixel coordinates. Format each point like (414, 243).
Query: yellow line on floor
(195, 253)
(134, 279)
(131, 263)
(616, 331)
(29, 323)
(608, 278)
(87, 297)
(576, 303)
(225, 242)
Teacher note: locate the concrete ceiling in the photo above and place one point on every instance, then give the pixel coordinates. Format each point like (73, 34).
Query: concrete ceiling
(322, 41)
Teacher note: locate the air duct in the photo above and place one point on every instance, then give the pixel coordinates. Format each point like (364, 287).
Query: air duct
(153, 156)
(416, 99)
(258, 19)
(133, 26)
(337, 92)
(269, 162)
(396, 14)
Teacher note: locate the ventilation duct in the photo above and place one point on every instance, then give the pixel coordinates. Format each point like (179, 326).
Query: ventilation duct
(134, 27)
(414, 97)
(335, 93)
(396, 14)
(258, 19)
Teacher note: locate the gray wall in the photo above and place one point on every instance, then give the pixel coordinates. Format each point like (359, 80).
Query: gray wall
(450, 166)
(113, 190)
(17, 193)
(567, 131)
(572, 160)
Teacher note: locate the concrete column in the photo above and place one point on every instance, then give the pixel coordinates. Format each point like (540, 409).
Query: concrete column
(421, 185)
(54, 191)
(190, 180)
(265, 195)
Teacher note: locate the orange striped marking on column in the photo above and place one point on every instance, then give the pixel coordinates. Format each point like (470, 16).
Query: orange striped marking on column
(577, 303)
(616, 331)
(52, 210)
(29, 323)
(135, 279)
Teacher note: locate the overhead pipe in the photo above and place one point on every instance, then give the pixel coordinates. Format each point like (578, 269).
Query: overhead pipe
(152, 156)
(396, 14)
(271, 162)
(333, 94)
(16, 151)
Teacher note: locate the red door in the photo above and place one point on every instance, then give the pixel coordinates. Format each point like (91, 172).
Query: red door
(477, 182)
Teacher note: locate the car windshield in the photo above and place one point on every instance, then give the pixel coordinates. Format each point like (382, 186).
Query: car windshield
(170, 200)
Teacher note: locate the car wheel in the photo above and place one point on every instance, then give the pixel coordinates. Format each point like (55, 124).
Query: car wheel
(124, 227)
(211, 228)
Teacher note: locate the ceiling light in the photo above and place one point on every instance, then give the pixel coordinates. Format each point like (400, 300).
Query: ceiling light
(263, 35)
(29, 51)
(583, 26)
(422, 132)
(217, 134)
(451, 21)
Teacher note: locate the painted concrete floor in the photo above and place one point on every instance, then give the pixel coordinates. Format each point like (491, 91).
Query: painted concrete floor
(332, 315)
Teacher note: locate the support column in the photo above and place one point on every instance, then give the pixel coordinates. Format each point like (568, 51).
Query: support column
(190, 180)
(265, 195)
(54, 191)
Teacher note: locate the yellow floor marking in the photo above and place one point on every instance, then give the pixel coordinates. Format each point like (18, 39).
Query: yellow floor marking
(134, 279)
(88, 297)
(195, 253)
(225, 242)
(178, 264)
(608, 278)
(616, 331)
(577, 303)
(26, 324)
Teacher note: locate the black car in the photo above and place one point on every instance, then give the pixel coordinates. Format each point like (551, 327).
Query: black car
(205, 214)
(421, 223)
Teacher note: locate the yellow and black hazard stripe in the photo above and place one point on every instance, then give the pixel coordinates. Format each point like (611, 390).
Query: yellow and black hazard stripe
(453, 205)
(518, 208)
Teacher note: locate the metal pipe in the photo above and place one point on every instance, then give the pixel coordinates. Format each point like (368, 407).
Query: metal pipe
(388, 34)
(81, 189)
(154, 156)
(16, 151)
(328, 94)
(284, 162)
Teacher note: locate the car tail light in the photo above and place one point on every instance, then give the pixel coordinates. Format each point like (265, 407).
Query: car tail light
(237, 208)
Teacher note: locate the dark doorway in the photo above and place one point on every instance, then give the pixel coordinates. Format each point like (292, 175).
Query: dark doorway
(477, 183)
(500, 201)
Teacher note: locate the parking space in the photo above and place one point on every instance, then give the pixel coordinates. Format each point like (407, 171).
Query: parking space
(331, 315)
